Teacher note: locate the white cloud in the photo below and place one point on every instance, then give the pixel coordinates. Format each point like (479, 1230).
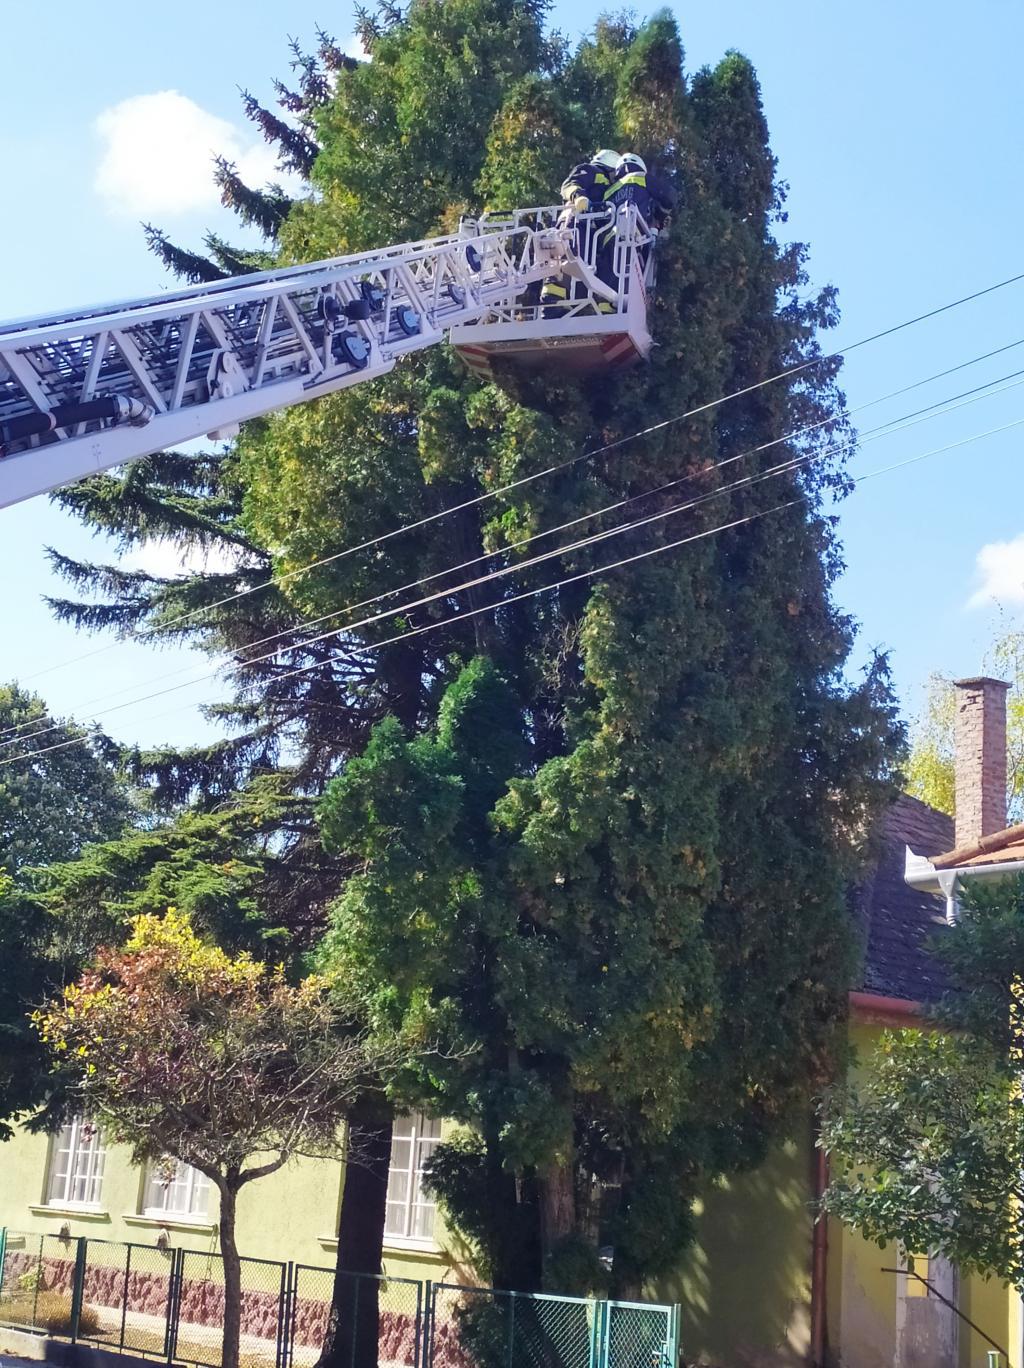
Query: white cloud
(1000, 569)
(355, 47)
(157, 154)
(161, 557)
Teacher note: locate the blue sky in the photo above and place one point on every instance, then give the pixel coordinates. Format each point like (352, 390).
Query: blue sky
(898, 128)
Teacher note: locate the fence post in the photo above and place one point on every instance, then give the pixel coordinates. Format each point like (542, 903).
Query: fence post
(174, 1302)
(599, 1343)
(676, 1316)
(78, 1287)
(511, 1328)
(357, 1290)
(127, 1284)
(426, 1334)
(417, 1347)
(285, 1314)
(3, 1255)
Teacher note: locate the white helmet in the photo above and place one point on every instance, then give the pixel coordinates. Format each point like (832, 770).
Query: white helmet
(630, 164)
(607, 156)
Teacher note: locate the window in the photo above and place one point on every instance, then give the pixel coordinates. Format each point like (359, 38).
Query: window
(76, 1165)
(176, 1189)
(410, 1212)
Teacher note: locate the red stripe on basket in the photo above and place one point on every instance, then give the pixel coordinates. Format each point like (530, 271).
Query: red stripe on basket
(617, 348)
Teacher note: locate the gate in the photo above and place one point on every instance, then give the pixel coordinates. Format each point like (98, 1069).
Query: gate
(474, 1327)
(640, 1334)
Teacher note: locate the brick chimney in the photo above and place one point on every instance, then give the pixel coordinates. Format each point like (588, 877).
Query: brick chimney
(980, 768)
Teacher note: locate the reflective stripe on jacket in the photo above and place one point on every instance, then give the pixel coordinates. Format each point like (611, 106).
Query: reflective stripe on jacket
(616, 194)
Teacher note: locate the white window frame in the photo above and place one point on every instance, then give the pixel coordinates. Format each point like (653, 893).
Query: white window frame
(418, 1131)
(197, 1185)
(82, 1141)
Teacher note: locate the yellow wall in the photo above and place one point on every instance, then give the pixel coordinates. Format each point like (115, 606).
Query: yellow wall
(745, 1285)
(290, 1215)
(862, 1299)
(996, 1311)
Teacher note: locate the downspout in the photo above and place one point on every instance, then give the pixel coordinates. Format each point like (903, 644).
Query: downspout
(947, 883)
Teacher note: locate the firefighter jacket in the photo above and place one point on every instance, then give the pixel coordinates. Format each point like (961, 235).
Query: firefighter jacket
(654, 200)
(589, 179)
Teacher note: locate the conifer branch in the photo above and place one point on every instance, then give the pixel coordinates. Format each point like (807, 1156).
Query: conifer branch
(235, 260)
(298, 151)
(331, 55)
(264, 209)
(188, 266)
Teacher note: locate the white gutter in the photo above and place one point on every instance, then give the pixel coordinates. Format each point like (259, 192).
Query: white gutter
(919, 872)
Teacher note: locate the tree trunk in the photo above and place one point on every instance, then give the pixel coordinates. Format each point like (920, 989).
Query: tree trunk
(401, 669)
(352, 1332)
(232, 1277)
(514, 1246)
(557, 1204)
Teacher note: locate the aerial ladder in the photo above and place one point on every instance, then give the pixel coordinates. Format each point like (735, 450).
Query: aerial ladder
(89, 389)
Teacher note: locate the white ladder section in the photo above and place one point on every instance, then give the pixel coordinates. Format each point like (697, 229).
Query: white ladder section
(81, 392)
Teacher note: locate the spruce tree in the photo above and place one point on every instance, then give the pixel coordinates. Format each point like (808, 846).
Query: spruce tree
(633, 905)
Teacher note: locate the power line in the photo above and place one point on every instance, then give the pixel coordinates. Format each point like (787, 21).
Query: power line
(11, 734)
(871, 434)
(554, 469)
(569, 579)
(794, 463)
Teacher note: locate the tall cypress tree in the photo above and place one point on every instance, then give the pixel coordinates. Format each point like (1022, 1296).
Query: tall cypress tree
(633, 905)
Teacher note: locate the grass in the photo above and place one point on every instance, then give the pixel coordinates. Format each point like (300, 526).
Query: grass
(46, 1311)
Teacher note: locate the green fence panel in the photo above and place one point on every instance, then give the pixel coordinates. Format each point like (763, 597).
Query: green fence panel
(397, 1302)
(126, 1295)
(639, 1335)
(199, 1310)
(475, 1327)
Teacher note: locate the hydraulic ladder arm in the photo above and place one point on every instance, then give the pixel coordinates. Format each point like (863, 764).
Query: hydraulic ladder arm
(81, 392)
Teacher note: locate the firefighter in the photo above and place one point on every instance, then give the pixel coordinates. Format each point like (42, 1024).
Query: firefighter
(583, 190)
(589, 180)
(632, 183)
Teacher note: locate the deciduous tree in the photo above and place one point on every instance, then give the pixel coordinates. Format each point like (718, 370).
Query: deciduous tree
(181, 1050)
(927, 1144)
(930, 764)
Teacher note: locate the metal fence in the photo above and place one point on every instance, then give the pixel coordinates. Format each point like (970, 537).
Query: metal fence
(198, 1311)
(168, 1304)
(474, 1327)
(388, 1310)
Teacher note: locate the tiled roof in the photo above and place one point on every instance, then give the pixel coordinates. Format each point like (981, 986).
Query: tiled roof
(898, 921)
(1000, 846)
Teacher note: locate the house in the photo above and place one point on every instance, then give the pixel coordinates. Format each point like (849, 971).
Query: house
(873, 1317)
(767, 1285)
(764, 1283)
(74, 1182)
